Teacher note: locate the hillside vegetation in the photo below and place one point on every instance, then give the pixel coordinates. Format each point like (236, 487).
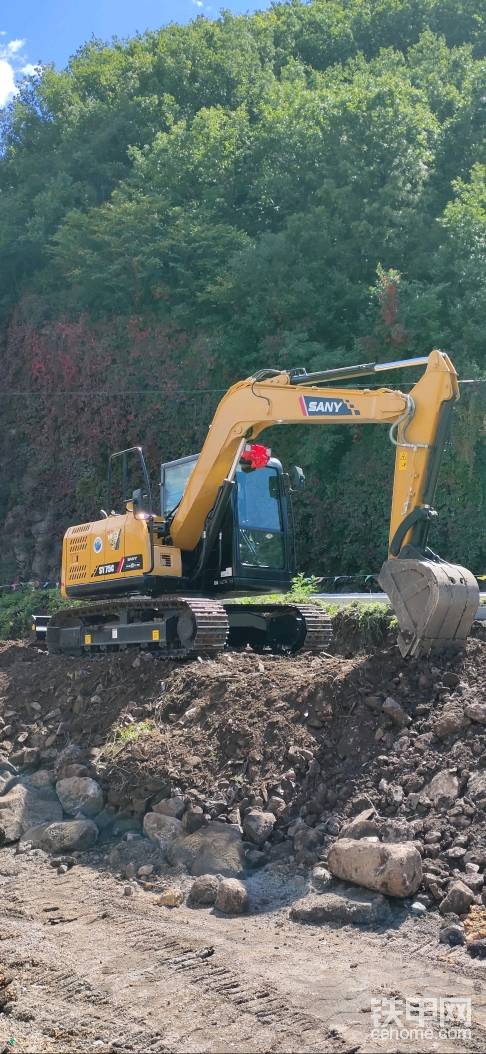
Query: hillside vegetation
(300, 187)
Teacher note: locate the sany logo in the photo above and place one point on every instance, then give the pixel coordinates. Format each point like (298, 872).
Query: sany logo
(326, 407)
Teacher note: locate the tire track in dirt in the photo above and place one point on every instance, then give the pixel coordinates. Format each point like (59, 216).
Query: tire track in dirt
(94, 973)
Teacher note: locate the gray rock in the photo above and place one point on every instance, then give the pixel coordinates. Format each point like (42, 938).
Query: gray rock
(215, 849)
(305, 837)
(418, 908)
(32, 837)
(106, 819)
(394, 869)
(69, 836)
(258, 826)
(128, 857)
(477, 948)
(475, 882)
(161, 829)
(170, 806)
(476, 712)
(71, 755)
(27, 758)
(362, 826)
(458, 900)
(452, 933)
(255, 858)
(123, 824)
(80, 794)
(450, 722)
(476, 786)
(394, 710)
(232, 897)
(7, 767)
(396, 830)
(321, 878)
(24, 806)
(276, 805)
(357, 907)
(203, 891)
(145, 871)
(193, 819)
(42, 778)
(443, 789)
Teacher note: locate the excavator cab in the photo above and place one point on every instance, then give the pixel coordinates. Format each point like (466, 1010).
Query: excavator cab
(254, 548)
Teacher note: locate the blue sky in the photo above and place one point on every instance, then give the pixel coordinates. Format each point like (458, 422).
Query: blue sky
(51, 30)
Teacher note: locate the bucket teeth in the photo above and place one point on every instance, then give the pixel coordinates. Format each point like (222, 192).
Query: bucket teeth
(435, 603)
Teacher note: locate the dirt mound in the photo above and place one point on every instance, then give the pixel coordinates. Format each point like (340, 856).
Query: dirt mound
(324, 737)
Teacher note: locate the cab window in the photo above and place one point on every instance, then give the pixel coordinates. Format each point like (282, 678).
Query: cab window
(260, 537)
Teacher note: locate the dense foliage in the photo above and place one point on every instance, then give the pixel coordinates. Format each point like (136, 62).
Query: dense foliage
(304, 186)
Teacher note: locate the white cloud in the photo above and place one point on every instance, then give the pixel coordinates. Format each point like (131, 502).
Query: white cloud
(14, 46)
(13, 65)
(198, 3)
(7, 82)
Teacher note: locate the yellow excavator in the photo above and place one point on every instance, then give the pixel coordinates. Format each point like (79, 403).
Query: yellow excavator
(168, 579)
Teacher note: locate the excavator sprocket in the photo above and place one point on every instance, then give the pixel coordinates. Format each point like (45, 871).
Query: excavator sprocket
(435, 603)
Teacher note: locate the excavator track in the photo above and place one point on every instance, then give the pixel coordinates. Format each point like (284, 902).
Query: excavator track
(178, 627)
(174, 627)
(279, 628)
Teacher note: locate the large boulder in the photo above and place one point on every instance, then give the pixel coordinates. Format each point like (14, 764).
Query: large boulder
(357, 907)
(68, 836)
(232, 897)
(258, 825)
(24, 806)
(394, 869)
(161, 829)
(215, 849)
(80, 794)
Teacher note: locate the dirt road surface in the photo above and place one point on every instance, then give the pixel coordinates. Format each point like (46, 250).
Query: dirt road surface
(96, 970)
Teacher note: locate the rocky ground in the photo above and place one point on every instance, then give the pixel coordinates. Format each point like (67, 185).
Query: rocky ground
(239, 796)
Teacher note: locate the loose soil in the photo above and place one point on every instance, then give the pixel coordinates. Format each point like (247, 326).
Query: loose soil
(87, 968)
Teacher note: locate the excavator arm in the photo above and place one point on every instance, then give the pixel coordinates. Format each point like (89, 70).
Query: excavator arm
(434, 602)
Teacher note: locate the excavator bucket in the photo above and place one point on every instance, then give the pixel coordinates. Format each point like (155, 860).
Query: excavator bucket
(435, 603)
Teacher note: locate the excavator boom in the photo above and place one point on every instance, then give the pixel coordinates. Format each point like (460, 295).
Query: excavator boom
(434, 602)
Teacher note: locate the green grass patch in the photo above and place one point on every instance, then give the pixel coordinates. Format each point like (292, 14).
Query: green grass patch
(133, 732)
(17, 608)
